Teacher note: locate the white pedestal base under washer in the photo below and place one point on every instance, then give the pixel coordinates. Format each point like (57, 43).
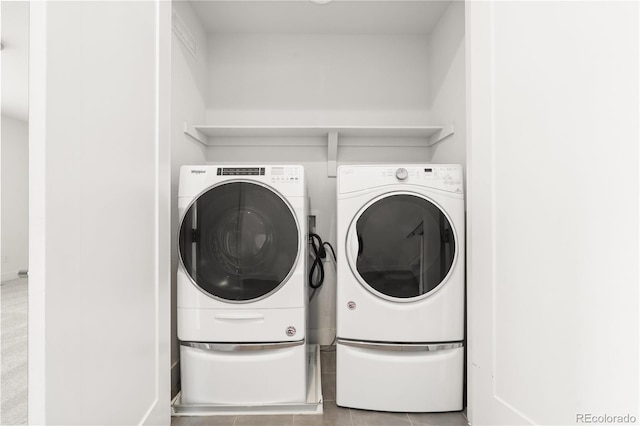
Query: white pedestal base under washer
(242, 288)
(400, 295)
(259, 375)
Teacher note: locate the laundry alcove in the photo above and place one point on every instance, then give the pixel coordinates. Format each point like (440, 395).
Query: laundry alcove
(297, 82)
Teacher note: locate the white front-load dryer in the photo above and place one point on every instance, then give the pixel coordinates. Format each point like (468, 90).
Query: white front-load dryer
(400, 295)
(242, 289)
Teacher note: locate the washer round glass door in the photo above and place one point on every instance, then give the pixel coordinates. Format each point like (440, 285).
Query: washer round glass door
(401, 246)
(239, 241)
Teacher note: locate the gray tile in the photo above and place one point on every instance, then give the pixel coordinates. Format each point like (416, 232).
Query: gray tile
(329, 386)
(14, 368)
(203, 421)
(438, 419)
(328, 357)
(273, 420)
(14, 409)
(332, 415)
(378, 418)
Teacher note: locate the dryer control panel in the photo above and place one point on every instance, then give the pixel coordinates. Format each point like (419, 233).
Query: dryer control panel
(446, 177)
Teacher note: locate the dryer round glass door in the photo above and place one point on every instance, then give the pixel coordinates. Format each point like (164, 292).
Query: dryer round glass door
(239, 241)
(401, 246)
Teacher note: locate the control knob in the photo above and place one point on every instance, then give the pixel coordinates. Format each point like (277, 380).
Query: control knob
(402, 173)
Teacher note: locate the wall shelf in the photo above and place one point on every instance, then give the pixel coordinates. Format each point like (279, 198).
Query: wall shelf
(220, 135)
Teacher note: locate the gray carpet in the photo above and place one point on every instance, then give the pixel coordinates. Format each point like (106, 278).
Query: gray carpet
(13, 354)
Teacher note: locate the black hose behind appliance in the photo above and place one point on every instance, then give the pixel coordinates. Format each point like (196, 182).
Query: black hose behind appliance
(316, 279)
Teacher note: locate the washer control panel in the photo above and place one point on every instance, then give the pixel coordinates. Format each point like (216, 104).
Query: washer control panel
(240, 171)
(288, 179)
(284, 174)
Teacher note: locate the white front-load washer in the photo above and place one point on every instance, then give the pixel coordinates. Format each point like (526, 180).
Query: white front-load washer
(400, 295)
(242, 289)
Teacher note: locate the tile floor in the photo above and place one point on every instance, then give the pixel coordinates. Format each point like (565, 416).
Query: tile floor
(13, 356)
(332, 414)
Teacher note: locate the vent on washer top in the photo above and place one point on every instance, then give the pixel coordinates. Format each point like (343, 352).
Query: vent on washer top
(240, 171)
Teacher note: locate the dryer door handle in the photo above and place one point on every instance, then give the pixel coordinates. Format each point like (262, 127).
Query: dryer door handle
(355, 246)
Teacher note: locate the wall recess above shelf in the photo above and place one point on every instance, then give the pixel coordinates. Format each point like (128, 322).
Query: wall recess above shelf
(219, 135)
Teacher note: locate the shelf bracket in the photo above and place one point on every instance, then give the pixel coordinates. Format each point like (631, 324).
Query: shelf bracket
(195, 133)
(332, 153)
(443, 134)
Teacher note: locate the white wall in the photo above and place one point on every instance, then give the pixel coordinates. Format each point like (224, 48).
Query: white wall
(99, 289)
(14, 17)
(15, 196)
(286, 79)
(188, 91)
(553, 211)
(447, 82)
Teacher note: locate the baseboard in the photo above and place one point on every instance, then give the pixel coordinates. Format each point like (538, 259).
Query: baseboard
(175, 379)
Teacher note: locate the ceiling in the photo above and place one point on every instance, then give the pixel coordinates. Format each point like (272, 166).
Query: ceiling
(14, 32)
(306, 16)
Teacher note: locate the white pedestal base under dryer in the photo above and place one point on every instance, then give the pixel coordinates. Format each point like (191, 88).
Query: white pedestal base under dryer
(242, 288)
(393, 379)
(400, 287)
